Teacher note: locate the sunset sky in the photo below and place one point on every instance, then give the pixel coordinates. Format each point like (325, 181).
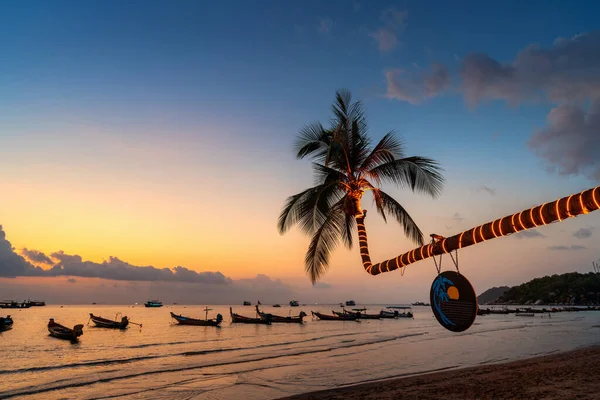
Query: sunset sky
(161, 133)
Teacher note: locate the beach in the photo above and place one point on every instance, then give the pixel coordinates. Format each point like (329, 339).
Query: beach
(569, 375)
(166, 360)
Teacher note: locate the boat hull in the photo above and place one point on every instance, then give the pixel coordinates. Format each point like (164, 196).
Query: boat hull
(282, 320)
(6, 323)
(107, 323)
(181, 320)
(236, 318)
(62, 332)
(326, 317)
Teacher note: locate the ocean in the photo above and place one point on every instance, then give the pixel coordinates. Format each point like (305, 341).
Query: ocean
(166, 361)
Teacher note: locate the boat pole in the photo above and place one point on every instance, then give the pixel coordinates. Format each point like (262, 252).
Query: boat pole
(547, 213)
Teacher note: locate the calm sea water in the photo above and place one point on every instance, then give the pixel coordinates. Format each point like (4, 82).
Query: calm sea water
(163, 360)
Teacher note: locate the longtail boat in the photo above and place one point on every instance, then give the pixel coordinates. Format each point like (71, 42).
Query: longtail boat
(326, 317)
(107, 323)
(276, 318)
(396, 313)
(360, 314)
(6, 323)
(153, 303)
(62, 332)
(246, 320)
(181, 320)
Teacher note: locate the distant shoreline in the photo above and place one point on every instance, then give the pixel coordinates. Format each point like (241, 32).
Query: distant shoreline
(570, 374)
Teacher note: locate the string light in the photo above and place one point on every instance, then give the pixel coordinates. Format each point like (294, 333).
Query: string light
(589, 200)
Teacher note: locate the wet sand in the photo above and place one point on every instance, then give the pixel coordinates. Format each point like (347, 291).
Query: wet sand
(570, 375)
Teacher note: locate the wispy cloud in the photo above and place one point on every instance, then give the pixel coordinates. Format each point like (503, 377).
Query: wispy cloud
(386, 36)
(567, 248)
(322, 285)
(583, 233)
(570, 142)
(565, 74)
(457, 217)
(530, 234)
(324, 25)
(486, 189)
(36, 256)
(568, 74)
(415, 87)
(386, 39)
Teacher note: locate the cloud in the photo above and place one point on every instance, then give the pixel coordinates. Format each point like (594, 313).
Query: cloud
(570, 143)
(387, 36)
(321, 285)
(71, 280)
(36, 256)
(530, 234)
(583, 233)
(457, 217)
(417, 86)
(394, 18)
(565, 74)
(567, 71)
(325, 25)
(487, 189)
(13, 265)
(117, 269)
(386, 39)
(571, 247)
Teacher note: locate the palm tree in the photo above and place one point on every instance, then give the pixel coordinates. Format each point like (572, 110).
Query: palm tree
(346, 165)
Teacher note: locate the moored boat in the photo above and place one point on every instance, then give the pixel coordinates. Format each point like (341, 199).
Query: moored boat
(350, 303)
(276, 318)
(181, 320)
(247, 320)
(62, 332)
(276, 305)
(525, 314)
(153, 303)
(294, 303)
(326, 317)
(360, 313)
(14, 304)
(6, 323)
(397, 314)
(107, 323)
(247, 303)
(37, 303)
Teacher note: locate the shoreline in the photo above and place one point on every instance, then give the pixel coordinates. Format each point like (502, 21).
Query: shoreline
(564, 375)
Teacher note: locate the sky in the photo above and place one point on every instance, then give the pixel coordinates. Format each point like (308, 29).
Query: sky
(160, 135)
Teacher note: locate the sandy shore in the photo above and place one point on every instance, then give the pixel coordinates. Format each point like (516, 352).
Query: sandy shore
(570, 375)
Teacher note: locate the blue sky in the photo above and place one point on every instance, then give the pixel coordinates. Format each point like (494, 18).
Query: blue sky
(180, 102)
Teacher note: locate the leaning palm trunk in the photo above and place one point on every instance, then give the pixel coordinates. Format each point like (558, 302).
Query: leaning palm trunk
(558, 210)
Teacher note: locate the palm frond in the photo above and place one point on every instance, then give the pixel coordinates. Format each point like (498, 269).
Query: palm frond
(348, 230)
(326, 174)
(290, 214)
(318, 206)
(390, 205)
(420, 174)
(309, 208)
(313, 140)
(323, 242)
(389, 148)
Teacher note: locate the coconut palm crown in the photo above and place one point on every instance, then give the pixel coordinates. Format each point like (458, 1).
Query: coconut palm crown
(346, 165)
